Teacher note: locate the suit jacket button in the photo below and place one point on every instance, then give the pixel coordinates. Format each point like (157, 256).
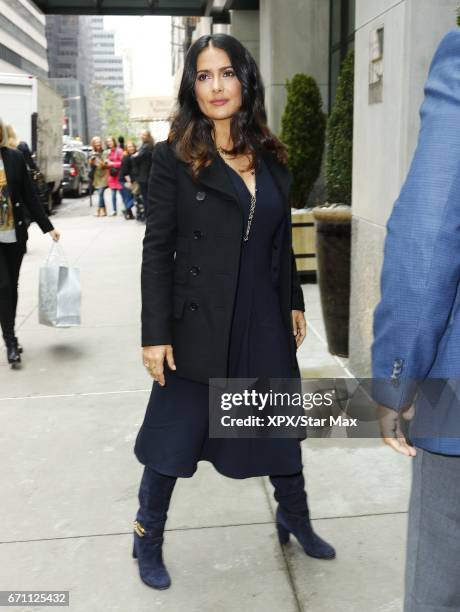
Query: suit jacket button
(19, 222)
(194, 270)
(193, 306)
(200, 195)
(17, 205)
(197, 235)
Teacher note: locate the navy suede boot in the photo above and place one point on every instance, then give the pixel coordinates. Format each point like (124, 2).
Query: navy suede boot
(154, 496)
(293, 516)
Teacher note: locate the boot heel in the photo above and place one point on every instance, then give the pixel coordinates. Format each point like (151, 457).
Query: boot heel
(283, 534)
(134, 552)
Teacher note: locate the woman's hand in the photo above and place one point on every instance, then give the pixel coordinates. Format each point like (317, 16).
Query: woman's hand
(299, 326)
(154, 356)
(55, 235)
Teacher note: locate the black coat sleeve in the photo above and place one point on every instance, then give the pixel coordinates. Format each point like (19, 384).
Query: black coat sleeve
(31, 200)
(125, 168)
(144, 152)
(297, 301)
(159, 248)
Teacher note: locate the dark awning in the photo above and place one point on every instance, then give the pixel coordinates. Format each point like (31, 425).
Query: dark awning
(140, 7)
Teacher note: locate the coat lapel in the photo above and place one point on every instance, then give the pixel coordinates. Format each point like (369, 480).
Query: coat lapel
(8, 169)
(282, 176)
(215, 176)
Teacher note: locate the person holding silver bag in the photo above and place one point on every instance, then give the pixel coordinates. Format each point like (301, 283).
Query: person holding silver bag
(17, 196)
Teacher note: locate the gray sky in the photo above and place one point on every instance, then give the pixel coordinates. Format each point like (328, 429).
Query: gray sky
(149, 41)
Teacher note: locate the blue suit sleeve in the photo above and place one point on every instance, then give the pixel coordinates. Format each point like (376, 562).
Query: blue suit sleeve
(421, 266)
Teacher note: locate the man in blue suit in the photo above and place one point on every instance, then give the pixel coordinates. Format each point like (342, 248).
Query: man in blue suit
(416, 347)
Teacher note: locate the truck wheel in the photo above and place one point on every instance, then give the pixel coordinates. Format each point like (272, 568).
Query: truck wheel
(49, 203)
(78, 190)
(57, 197)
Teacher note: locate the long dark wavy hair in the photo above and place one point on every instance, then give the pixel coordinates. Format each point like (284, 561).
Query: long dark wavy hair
(192, 133)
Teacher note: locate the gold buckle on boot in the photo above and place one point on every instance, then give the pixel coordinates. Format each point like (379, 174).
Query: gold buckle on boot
(139, 529)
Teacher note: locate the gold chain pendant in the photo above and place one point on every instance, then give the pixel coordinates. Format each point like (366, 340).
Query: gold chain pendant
(251, 214)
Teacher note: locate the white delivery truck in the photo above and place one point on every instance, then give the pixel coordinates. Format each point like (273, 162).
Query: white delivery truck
(36, 111)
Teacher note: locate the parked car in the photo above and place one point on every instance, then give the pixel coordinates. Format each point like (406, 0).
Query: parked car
(76, 179)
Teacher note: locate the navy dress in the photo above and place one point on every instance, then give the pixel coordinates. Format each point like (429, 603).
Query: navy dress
(174, 434)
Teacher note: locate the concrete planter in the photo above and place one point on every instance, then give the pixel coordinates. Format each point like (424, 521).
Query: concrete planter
(304, 240)
(333, 250)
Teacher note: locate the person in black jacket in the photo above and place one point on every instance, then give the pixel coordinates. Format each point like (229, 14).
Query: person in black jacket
(16, 194)
(220, 296)
(126, 177)
(143, 163)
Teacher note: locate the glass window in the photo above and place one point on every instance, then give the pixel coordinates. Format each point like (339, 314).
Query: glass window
(342, 39)
(336, 8)
(351, 17)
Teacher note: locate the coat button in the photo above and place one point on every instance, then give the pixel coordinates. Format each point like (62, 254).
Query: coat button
(197, 235)
(17, 205)
(19, 222)
(193, 306)
(200, 195)
(194, 270)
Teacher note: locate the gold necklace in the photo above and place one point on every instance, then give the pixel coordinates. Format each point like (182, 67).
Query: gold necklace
(252, 209)
(225, 154)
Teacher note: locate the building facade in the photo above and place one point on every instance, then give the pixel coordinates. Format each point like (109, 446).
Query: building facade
(101, 69)
(107, 67)
(64, 60)
(22, 38)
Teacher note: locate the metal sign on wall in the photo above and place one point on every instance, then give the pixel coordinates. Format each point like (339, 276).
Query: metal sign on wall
(156, 108)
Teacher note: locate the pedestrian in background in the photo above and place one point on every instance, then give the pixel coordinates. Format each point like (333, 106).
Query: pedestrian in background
(220, 294)
(143, 163)
(113, 161)
(21, 146)
(100, 174)
(126, 172)
(16, 194)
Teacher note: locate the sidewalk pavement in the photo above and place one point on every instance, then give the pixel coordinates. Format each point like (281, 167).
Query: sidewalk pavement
(70, 478)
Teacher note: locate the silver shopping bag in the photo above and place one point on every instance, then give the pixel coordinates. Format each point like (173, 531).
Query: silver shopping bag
(59, 292)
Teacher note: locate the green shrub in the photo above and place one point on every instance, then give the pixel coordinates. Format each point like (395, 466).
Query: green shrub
(340, 137)
(303, 131)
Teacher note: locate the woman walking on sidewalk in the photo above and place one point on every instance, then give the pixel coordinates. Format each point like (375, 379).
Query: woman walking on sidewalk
(99, 174)
(16, 194)
(126, 180)
(220, 294)
(113, 161)
(143, 162)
